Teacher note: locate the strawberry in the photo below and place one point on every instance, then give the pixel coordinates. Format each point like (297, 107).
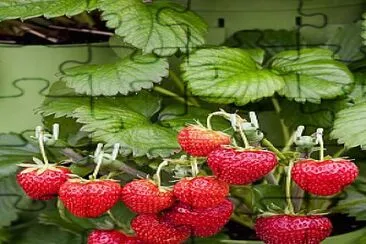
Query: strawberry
(203, 222)
(155, 229)
(89, 198)
(289, 229)
(200, 141)
(241, 166)
(144, 196)
(201, 192)
(326, 177)
(44, 185)
(111, 237)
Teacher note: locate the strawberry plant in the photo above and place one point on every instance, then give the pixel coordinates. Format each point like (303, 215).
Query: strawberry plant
(163, 146)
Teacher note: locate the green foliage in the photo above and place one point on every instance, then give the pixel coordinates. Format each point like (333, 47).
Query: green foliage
(13, 9)
(161, 27)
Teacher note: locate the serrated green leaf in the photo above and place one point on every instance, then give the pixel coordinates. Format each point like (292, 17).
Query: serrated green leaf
(162, 27)
(125, 120)
(130, 74)
(311, 75)
(349, 126)
(14, 150)
(228, 75)
(358, 93)
(12, 199)
(24, 9)
(354, 204)
(41, 234)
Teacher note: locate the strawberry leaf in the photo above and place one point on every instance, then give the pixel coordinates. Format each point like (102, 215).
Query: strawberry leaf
(349, 126)
(13, 9)
(130, 74)
(311, 75)
(162, 27)
(354, 204)
(229, 75)
(125, 120)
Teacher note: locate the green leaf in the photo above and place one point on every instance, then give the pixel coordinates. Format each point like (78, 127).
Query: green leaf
(14, 150)
(358, 93)
(41, 234)
(125, 120)
(12, 200)
(267, 195)
(130, 74)
(354, 204)
(228, 75)
(162, 27)
(311, 75)
(310, 114)
(24, 9)
(349, 126)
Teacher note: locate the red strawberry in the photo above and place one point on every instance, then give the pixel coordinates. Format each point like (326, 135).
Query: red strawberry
(111, 237)
(287, 229)
(204, 222)
(241, 167)
(89, 199)
(42, 185)
(199, 141)
(201, 192)
(158, 230)
(326, 177)
(144, 196)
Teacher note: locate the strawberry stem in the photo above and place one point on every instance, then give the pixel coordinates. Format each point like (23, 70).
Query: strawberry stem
(158, 171)
(194, 167)
(218, 113)
(41, 147)
(288, 188)
(319, 137)
(99, 163)
(244, 138)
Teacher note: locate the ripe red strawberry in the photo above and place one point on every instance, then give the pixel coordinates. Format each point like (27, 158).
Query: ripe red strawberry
(241, 167)
(111, 237)
(287, 229)
(199, 141)
(201, 192)
(144, 196)
(42, 185)
(203, 222)
(155, 229)
(89, 199)
(326, 177)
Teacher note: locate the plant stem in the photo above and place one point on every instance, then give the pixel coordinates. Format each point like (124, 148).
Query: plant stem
(194, 166)
(99, 163)
(285, 130)
(114, 219)
(209, 117)
(172, 94)
(158, 171)
(179, 83)
(244, 138)
(270, 146)
(321, 145)
(289, 143)
(41, 148)
(288, 188)
(271, 179)
(339, 152)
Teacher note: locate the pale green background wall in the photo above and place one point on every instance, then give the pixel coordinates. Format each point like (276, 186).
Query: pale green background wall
(43, 62)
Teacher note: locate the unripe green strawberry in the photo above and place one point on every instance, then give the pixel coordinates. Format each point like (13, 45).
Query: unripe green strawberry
(289, 229)
(42, 185)
(203, 222)
(202, 191)
(89, 199)
(326, 177)
(199, 141)
(154, 229)
(144, 196)
(241, 166)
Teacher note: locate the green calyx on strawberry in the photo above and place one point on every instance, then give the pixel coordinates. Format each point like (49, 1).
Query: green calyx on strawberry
(111, 237)
(157, 229)
(241, 166)
(201, 191)
(203, 222)
(288, 229)
(324, 177)
(144, 196)
(199, 141)
(89, 198)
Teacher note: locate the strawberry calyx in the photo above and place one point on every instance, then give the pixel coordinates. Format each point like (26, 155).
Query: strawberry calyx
(38, 167)
(77, 179)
